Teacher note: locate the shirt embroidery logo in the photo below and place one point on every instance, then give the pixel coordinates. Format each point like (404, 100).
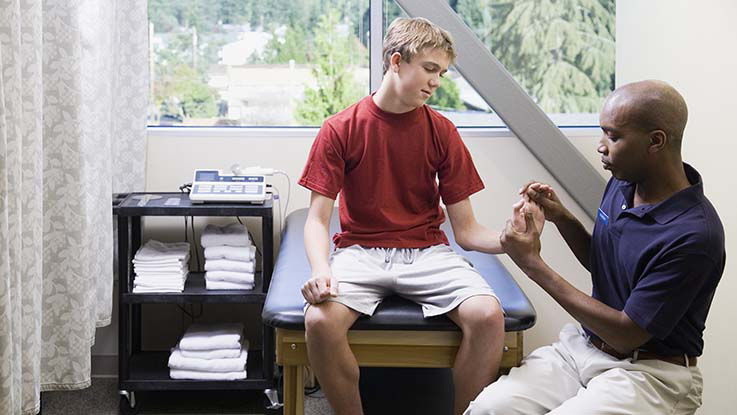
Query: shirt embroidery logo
(603, 217)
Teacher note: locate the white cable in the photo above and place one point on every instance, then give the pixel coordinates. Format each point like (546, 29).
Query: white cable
(266, 171)
(289, 189)
(278, 208)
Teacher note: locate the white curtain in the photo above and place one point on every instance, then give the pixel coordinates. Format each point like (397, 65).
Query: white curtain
(73, 98)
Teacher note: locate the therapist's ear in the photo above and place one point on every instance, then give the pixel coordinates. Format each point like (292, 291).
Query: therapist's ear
(658, 141)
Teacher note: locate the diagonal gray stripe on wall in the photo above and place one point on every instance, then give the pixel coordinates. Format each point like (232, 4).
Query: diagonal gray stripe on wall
(518, 111)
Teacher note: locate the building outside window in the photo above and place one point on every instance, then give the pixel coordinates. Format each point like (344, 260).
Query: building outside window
(296, 62)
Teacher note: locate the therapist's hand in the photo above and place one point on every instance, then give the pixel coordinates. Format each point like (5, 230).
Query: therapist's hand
(544, 195)
(320, 287)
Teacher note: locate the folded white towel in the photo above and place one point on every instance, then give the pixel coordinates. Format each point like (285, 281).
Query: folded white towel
(146, 290)
(197, 375)
(153, 249)
(230, 276)
(161, 275)
(211, 354)
(202, 336)
(164, 277)
(159, 268)
(229, 265)
(162, 284)
(177, 361)
(238, 253)
(163, 261)
(169, 277)
(234, 234)
(226, 285)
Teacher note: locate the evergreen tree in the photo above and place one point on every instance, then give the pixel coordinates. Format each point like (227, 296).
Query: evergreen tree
(332, 71)
(560, 51)
(293, 45)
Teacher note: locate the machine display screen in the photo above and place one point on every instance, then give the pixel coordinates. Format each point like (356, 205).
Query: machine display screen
(206, 176)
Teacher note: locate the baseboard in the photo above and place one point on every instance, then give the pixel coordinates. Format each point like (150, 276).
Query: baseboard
(104, 366)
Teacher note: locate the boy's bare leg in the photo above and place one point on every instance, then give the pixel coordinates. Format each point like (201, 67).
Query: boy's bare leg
(480, 353)
(326, 333)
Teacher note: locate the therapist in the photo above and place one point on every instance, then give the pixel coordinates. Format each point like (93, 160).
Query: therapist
(656, 256)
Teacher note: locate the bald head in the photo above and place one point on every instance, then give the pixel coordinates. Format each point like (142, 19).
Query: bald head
(651, 105)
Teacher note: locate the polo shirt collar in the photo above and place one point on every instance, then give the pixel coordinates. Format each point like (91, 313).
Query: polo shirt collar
(674, 206)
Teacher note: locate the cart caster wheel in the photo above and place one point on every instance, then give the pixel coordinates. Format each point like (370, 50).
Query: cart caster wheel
(272, 404)
(127, 402)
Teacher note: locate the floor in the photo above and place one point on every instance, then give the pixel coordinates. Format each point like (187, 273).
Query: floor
(385, 391)
(102, 399)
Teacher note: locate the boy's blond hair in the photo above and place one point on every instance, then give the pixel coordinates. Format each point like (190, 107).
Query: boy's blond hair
(409, 36)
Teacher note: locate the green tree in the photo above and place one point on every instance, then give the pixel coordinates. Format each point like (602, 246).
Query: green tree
(185, 94)
(560, 51)
(333, 62)
(292, 46)
(447, 96)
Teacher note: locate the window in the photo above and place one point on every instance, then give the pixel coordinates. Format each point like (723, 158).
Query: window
(295, 62)
(256, 62)
(560, 52)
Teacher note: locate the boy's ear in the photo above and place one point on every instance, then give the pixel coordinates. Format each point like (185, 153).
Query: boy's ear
(394, 61)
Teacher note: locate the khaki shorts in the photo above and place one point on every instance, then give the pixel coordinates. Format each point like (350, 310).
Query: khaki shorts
(437, 277)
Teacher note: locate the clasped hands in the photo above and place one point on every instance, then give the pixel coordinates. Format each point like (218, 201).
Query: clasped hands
(520, 238)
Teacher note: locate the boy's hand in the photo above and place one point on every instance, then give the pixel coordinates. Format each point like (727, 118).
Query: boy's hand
(523, 206)
(523, 246)
(545, 196)
(319, 288)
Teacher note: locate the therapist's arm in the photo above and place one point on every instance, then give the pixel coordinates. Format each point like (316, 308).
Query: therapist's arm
(613, 326)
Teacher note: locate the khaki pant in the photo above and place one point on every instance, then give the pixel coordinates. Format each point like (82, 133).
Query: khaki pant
(573, 377)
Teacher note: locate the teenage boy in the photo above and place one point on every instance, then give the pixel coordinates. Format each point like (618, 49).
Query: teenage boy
(383, 155)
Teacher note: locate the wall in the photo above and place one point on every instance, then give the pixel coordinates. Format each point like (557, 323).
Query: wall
(689, 44)
(503, 163)
(692, 46)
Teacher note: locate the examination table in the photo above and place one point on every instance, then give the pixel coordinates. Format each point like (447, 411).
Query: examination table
(397, 335)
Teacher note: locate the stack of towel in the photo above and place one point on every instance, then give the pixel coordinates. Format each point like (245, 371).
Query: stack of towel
(210, 352)
(229, 257)
(161, 267)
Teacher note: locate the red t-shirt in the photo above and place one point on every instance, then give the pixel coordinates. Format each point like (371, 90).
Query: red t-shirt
(384, 166)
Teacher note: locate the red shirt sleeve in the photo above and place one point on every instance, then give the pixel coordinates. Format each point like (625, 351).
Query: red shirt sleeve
(457, 175)
(325, 167)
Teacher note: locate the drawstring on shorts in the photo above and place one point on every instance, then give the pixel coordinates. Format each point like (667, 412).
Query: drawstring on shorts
(408, 255)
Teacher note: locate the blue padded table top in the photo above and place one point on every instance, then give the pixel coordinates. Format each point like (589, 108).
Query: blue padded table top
(284, 302)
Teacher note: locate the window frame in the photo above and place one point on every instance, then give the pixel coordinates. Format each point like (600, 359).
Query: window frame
(555, 151)
(376, 37)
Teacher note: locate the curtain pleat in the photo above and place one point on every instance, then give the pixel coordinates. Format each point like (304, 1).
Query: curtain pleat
(73, 96)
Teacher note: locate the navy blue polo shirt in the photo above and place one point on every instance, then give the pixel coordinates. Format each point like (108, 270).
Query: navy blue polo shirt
(659, 263)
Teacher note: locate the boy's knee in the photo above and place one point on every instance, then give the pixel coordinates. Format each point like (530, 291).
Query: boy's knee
(320, 324)
(316, 320)
(485, 317)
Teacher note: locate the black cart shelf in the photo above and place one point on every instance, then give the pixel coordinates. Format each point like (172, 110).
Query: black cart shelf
(140, 370)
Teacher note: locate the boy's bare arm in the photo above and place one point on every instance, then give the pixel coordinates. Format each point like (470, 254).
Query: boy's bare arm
(469, 234)
(321, 284)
